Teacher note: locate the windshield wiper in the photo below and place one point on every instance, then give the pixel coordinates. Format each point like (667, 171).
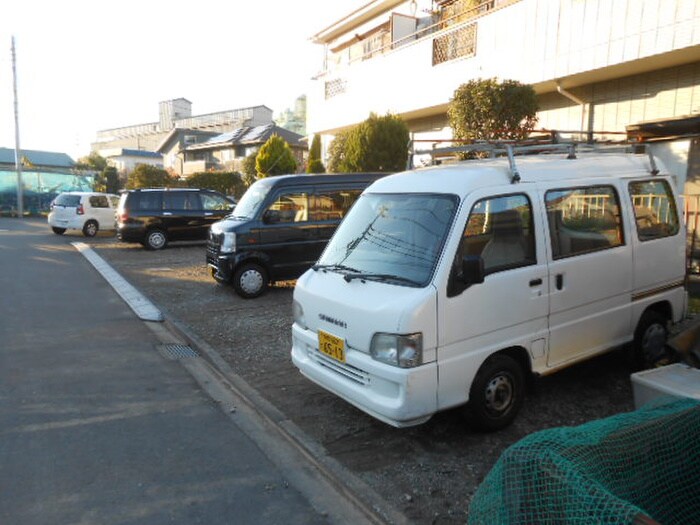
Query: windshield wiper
(340, 267)
(380, 277)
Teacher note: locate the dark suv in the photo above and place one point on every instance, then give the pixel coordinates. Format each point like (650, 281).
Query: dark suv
(154, 217)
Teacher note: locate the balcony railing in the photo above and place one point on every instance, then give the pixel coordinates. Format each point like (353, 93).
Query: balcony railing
(455, 37)
(458, 43)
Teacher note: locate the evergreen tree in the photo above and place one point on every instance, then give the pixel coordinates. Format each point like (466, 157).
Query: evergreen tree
(275, 158)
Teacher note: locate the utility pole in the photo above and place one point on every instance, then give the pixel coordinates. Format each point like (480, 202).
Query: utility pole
(18, 158)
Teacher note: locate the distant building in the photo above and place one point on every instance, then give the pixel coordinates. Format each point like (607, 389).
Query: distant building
(45, 174)
(125, 160)
(294, 119)
(228, 150)
(177, 114)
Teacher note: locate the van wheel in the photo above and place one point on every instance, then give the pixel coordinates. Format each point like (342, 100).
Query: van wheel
(650, 340)
(250, 280)
(58, 231)
(156, 240)
(90, 228)
(497, 393)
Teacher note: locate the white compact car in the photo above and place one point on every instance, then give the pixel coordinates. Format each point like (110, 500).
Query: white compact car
(86, 211)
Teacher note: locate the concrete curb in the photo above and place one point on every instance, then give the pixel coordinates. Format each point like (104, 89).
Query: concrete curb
(374, 507)
(142, 307)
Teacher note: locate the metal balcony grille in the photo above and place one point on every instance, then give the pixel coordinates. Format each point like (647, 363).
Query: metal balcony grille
(459, 43)
(335, 87)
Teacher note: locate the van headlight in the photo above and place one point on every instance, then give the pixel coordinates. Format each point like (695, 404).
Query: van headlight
(298, 312)
(405, 351)
(228, 243)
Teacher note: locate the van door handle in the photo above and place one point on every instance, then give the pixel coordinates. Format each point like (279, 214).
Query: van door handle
(560, 281)
(536, 282)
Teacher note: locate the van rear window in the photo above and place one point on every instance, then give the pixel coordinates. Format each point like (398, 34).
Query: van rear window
(654, 209)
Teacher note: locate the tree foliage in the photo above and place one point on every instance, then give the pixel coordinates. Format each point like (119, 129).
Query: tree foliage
(94, 161)
(250, 174)
(377, 144)
(147, 176)
(336, 152)
(486, 109)
(226, 182)
(315, 165)
(108, 180)
(275, 158)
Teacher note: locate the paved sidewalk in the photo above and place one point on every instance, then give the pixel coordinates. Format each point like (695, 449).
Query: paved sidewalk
(96, 425)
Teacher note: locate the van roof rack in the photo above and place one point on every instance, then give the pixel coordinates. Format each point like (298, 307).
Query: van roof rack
(529, 147)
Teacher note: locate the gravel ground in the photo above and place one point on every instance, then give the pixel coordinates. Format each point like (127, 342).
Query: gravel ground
(429, 472)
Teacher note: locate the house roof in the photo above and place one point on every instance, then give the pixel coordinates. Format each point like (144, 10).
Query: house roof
(354, 20)
(178, 133)
(37, 158)
(140, 153)
(249, 136)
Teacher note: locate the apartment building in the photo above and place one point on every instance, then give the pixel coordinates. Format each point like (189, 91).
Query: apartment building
(603, 66)
(176, 114)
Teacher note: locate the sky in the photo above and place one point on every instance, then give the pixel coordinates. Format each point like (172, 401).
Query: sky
(84, 66)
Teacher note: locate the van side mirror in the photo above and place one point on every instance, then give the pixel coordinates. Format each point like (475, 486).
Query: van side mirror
(271, 217)
(468, 273)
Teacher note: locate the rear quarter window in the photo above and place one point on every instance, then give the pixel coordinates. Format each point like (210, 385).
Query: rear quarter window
(147, 201)
(654, 209)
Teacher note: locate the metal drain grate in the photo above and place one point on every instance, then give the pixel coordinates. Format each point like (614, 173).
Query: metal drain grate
(175, 352)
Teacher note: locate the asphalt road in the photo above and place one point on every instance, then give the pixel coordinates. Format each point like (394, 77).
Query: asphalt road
(97, 426)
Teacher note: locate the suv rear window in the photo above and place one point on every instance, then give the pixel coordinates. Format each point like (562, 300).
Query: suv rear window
(67, 200)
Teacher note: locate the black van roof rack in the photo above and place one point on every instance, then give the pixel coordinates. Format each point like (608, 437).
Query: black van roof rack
(528, 147)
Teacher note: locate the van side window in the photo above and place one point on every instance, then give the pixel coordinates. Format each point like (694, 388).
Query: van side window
(583, 220)
(332, 205)
(500, 230)
(654, 209)
(289, 207)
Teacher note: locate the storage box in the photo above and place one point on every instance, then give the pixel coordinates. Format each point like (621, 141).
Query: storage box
(677, 380)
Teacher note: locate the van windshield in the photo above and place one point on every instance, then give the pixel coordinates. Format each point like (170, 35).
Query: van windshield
(394, 238)
(248, 206)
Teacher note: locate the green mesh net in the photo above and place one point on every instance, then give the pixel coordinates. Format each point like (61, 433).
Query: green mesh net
(633, 468)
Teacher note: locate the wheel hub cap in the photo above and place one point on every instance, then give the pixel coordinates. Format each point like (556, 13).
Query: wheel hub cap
(251, 281)
(499, 393)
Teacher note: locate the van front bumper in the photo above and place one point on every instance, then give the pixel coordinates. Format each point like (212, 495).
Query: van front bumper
(400, 397)
(221, 266)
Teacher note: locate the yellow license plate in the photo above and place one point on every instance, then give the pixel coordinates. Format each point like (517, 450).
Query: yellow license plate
(331, 345)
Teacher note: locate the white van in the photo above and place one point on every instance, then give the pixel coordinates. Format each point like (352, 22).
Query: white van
(449, 285)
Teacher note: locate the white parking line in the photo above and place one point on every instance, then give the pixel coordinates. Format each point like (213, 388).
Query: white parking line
(141, 306)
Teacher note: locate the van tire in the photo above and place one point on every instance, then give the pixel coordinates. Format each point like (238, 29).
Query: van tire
(650, 340)
(250, 280)
(156, 239)
(497, 393)
(58, 231)
(90, 228)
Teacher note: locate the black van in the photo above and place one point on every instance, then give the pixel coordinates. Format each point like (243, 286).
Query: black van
(280, 227)
(154, 217)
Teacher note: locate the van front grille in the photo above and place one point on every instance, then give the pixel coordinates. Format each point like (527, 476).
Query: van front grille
(354, 374)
